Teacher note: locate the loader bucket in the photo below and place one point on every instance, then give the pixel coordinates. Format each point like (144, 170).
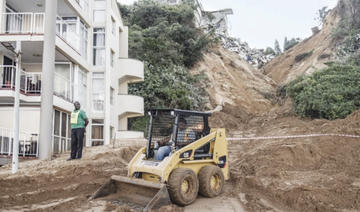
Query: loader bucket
(134, 192)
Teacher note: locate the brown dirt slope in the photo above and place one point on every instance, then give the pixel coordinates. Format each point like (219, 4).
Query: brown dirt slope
(234, 82)
(283, 68)
(303, 174)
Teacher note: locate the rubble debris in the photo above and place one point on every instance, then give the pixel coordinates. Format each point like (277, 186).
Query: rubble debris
(217, 21)
(255, 57)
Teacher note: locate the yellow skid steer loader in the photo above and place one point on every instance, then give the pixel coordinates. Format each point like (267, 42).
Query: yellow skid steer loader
(183, 157)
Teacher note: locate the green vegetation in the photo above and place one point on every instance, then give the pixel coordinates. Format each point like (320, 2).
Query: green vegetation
(321, 15)
(165, 38)
(288, 44)
(277, 48)
(331, 93)
(303, 56)
(269, 51)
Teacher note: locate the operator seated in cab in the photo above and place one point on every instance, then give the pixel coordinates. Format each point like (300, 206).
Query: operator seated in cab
(184, 135)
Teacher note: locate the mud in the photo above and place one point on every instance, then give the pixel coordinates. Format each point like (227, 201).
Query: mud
(312, 174)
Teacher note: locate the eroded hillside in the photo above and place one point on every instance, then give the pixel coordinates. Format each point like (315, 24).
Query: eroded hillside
(308, 56)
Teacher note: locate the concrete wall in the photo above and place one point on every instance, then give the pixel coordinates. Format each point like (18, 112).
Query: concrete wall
(29, 118)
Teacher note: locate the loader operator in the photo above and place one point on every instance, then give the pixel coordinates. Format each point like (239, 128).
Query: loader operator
(184, 135)
(78, 121)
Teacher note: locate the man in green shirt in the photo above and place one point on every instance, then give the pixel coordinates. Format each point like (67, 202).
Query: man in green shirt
(78, 122)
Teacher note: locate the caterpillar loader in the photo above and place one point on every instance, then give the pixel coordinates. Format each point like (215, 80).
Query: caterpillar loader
(196, 161)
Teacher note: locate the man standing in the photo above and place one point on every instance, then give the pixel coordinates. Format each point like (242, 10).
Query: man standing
(78, 121)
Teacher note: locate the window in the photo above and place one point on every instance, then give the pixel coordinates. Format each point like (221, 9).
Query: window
(97, 132)
(100, 4)
(99, 47)
(112, 58)
(99, 12)
(82, 87)
(61, 132)
(99, 16)
(62, 83)
(98, 92)
(83, 40)
(112, 91)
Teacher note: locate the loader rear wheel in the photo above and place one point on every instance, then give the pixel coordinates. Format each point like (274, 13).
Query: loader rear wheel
(211, 180)
(183, 186)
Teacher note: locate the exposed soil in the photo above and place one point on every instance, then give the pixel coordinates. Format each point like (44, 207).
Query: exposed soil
(307, 174)
(312, 174)
(284, 68)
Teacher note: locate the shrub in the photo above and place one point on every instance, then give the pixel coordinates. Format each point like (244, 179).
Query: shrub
(303, 56)
(166, 39)
(331, 93)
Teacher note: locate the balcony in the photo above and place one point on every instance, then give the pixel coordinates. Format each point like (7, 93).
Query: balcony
(23, 23)
(28, 143)
(30, 82)
(130, 106)
(132, 70)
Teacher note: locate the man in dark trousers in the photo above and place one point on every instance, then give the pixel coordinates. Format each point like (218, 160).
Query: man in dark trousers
(78, 121)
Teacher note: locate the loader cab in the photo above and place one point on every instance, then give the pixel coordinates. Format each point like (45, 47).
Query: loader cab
(176, 127)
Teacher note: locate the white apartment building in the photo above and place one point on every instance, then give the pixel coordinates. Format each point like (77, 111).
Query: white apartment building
(91, 66)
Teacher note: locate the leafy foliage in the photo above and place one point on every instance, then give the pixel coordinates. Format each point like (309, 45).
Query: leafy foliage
(277, 48)
(303, 56)
(269, 51)
(288, 44)
(321, 14)
(331, 93)
(165, 38)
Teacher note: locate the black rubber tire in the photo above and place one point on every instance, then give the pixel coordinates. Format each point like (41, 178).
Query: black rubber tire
(175, 182)
(205, 175)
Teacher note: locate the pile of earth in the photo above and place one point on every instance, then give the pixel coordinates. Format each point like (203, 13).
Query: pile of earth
(304, 174)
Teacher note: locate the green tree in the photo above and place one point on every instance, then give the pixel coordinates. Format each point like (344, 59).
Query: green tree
(288, 44)
(165, 38)
(277, 48)
(269, 51)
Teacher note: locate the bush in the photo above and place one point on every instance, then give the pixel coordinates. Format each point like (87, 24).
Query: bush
(166, 39)
(302, 56)
(331, 93)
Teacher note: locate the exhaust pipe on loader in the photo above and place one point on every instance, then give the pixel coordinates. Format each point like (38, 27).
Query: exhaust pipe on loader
(144, 194)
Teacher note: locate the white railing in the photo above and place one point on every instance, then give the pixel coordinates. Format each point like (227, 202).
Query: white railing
(30, 82)
(7, 77)
(23, 23)
(62, 87)
(28, 143)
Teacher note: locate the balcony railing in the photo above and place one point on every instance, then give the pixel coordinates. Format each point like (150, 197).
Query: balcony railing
(23, 23)
(28, 143)
(30, 82)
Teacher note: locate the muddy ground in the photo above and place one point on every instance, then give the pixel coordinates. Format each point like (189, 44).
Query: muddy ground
(312, 174)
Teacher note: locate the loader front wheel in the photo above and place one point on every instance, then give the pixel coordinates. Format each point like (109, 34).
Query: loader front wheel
(211, 180)
(183, 186)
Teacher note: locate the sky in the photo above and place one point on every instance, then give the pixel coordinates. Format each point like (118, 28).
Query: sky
(260, 22)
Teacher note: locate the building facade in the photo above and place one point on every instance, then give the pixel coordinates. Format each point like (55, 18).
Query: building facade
(91, 66)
